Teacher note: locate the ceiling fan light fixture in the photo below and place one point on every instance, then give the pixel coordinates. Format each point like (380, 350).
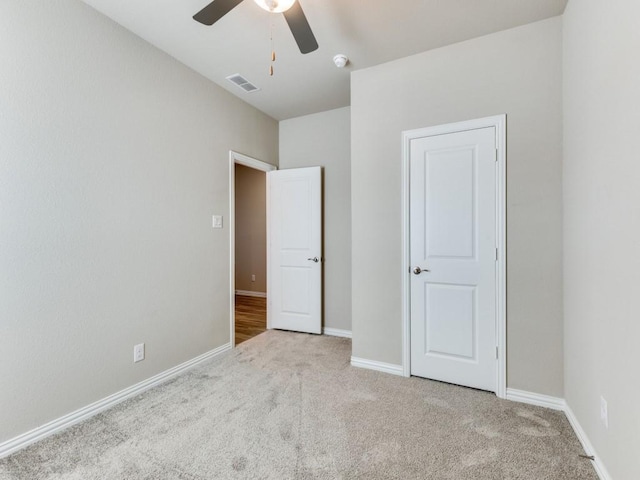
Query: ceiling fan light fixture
(275, 6)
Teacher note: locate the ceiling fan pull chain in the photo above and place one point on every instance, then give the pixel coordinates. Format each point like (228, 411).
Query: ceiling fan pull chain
(273, 52)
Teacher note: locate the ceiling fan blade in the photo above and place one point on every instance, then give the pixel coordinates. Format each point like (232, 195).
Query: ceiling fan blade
(215, 11)
(300, 28)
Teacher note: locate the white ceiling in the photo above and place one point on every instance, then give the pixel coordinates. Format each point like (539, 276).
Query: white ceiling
(369, 32)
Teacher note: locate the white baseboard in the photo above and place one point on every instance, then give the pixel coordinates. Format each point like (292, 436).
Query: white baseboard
(14, 444)
(247, 293)
(336, 332)
(586, 445)
(537, 399)
(378, 366)
(560, 404)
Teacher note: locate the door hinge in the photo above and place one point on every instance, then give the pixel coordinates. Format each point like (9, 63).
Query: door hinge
(496, 254)
(497, 353)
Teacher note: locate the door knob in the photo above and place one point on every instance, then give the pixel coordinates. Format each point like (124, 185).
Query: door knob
(419, 270)
(314, 259)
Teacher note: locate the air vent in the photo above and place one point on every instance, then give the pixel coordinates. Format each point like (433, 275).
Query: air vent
(242, 82)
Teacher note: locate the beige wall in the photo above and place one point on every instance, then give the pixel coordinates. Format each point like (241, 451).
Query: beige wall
(113, 158)
(251, 229)
(602, 225)
(517, 72)
(325, 139)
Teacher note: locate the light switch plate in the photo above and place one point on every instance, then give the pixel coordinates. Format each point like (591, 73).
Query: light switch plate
(217, 221)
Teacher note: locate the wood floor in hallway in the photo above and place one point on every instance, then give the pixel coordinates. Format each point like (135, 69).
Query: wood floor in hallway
(251, 317)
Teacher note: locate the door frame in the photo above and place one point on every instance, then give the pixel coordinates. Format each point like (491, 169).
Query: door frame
(499, 122)
(236, 158)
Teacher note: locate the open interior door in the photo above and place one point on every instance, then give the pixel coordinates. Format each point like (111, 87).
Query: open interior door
(295, 250)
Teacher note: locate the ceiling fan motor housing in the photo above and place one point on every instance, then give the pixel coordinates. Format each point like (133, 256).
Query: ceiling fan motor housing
(275, 6)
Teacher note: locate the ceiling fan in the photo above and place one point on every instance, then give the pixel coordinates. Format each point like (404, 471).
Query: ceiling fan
(291, 10)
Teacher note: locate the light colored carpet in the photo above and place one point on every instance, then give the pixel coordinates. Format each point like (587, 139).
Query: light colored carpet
(289, 406)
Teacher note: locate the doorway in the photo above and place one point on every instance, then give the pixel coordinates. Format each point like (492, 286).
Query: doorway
(454, 255)
(248, 246)
(292, 250)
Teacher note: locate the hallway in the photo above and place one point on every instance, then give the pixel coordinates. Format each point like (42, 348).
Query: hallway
(251, 317)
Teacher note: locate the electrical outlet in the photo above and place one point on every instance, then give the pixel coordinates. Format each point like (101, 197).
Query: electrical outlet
(138, 352)
(604, 412)
(253, 278)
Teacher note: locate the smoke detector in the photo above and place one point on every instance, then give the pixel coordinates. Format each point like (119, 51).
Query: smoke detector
(340, 60)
